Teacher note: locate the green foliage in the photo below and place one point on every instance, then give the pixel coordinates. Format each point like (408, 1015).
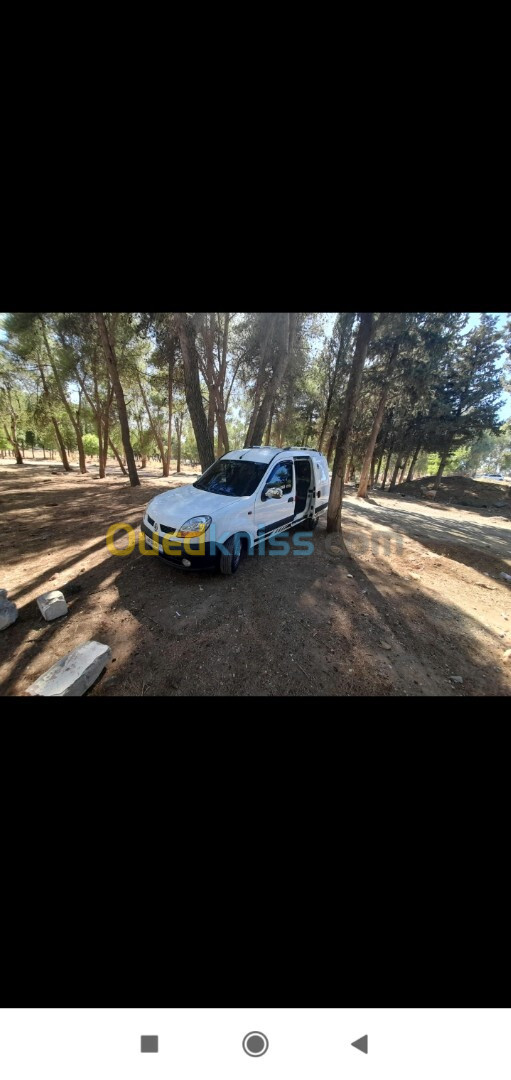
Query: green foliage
(91, 445)
(189, 448)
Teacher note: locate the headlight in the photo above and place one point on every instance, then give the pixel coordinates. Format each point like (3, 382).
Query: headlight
(195, 526)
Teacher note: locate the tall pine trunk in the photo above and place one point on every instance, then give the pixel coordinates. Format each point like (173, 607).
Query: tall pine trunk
(332, 442)
(157, 436)
(118, 457)
(75, 421)
(170, 388)
(403, 470)
(289, 334)
(193, 393)
(334, 513)
(268, 433)
(13, 439)
(375, 430)
(111, 363)
(179, 431)
(270, 326)
(347, 327)
(378, 467)
(443, 462)
(395, 473)
(409, 478)
(387, 466)
(60, 441)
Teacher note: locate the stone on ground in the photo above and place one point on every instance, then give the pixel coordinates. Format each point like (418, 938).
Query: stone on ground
(8, 612)
(52, 605)
(74, 674)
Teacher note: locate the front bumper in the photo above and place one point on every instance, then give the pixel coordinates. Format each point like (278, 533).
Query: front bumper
(201, 557)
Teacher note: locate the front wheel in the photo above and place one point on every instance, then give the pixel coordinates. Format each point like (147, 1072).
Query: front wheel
(229, 563)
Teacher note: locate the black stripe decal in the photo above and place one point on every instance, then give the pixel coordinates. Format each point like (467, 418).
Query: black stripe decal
(265, 529)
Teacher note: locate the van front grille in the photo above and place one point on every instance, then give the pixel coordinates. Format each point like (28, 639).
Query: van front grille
(161, 527)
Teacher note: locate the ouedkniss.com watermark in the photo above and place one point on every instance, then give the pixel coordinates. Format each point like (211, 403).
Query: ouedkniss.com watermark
(285, 543)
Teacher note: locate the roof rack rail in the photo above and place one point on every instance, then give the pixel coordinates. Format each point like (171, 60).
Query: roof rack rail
(300, 448)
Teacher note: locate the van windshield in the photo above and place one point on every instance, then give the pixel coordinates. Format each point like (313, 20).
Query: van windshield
(232, 477)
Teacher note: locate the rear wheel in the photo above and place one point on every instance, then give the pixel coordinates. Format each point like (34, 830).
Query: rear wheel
(229, 563)
(309, 524)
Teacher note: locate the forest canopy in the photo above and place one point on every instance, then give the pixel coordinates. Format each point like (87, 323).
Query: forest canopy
(383, 395)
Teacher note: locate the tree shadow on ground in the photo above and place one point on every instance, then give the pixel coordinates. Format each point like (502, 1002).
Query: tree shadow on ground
(454, 538)
(284, 625)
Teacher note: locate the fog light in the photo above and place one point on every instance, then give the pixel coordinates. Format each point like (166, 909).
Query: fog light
(186, 562)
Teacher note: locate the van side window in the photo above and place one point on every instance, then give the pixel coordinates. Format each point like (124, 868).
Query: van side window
(282, 476)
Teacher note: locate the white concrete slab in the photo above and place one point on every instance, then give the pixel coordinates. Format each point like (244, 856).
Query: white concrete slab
(8, 613)
(52, 605)
(75, 673)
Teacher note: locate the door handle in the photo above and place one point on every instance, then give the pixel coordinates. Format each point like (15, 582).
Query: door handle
(292, 499)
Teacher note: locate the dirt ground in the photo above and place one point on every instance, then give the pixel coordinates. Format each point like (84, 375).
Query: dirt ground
(420, 602)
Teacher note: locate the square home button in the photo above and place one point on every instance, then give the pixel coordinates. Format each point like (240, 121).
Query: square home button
(149, 1044)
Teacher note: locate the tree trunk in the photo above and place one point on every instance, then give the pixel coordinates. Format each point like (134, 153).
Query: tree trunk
(166, 463)
(223, 437)
(111, 363)
(375, 430)
(334, 513)
(211, 417)
(118, 456)
(387, 465)
(62, 449)
(268, 433)
(373, 466)
(13, 439)
(403, 470)
(276, 379)
(193, 391)
(394, 474)
(62, 392)
(220, 392)
(409, 478)
(106, 436)
(157, 436)
(375, 481)
(346, 331)
(443, 463)
(179, 430)
(331, 444)
(260, 379)
(60, 441)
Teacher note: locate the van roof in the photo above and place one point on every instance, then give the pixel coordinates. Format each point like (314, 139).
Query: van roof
(267, 453)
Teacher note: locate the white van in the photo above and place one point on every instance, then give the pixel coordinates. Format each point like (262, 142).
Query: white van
(243, 500)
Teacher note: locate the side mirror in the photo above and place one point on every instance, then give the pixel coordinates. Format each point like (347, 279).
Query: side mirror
(273, 493)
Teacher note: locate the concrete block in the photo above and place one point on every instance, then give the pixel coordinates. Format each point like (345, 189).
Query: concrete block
(72, 676)
(52, 605)
(8, 613)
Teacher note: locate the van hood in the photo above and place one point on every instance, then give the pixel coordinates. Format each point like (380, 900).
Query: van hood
(175, 507)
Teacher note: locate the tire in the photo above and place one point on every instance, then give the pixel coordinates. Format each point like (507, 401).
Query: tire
(228, 564)
(309, 524)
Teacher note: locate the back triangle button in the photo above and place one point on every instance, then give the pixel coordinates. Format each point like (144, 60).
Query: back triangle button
(362, 1044)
